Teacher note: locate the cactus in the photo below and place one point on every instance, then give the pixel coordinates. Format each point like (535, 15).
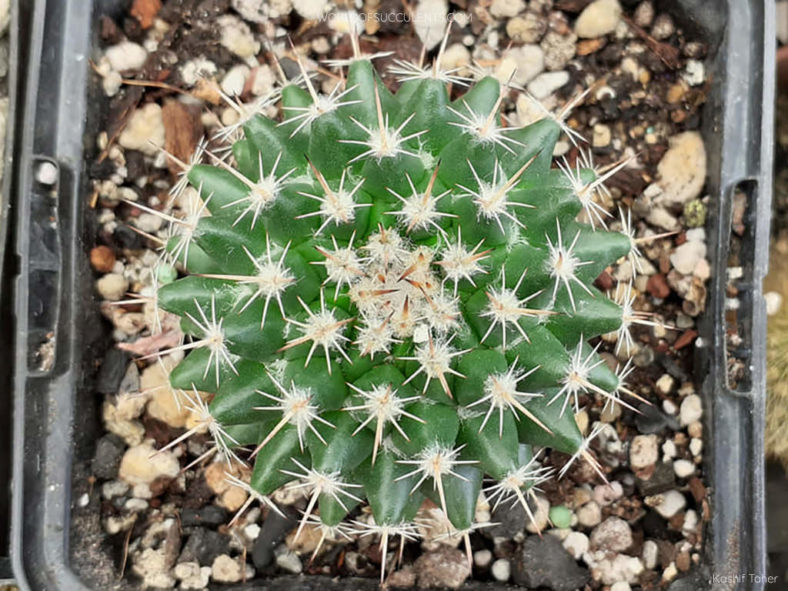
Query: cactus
(389, 298)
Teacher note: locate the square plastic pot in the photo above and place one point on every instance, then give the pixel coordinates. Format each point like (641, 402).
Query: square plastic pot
(56, 419)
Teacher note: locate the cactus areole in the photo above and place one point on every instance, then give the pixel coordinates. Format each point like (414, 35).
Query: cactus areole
(389, 298)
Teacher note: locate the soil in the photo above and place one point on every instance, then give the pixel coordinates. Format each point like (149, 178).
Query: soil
(647, 88)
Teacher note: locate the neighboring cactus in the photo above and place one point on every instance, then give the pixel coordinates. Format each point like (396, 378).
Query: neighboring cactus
(390, 298)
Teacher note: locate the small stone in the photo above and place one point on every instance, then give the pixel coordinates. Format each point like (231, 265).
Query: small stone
(429, 20)
(226, 569)
(204, 545)
(618, 568)
(501, 570)
(576, 543)
(643, 452)
(683, 468)
(506, 8)
(192, 575)
(236, 36)
(290, 562)
(235, 79)
(658, 286)
(151, 566)
(589, 515)
(275, 528)
(197, 69)
(598, 18)
(444, 568)
(687, 256)
(547, 83)
(691, 410)
(560, 516)
(109, 451)
(690, 522)
(540, 515)
(526, 62)
(613, 535)
(665, 383)
(112, 286)
(126, 56)
(142, 464)
(558, 49)
(605, 494)
(670, 572)
(144, 130)
(696, 446)
(668, 503)
(402, 578)
(482, 558)
(601, 136)
(663, 27)
(527, 28)
(682, 169)
(102, 258)
(543, 562)
(644, 14)
(669, 450)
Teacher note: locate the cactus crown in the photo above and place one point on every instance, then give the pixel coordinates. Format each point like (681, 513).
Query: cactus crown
(390, 298)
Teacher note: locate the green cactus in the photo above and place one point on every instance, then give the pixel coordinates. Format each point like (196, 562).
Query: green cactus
(389, 297)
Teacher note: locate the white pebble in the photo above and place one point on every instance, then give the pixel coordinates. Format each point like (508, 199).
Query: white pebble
(665, 383)
(506, 8)
(236, 36)
(696, 446)
(643, 451)
(522, 64)
(226, 569)
(669, 450)
(482, 558)
(669, 407)
(310, 9)
(234, 80)
(691, 410)
(46, 173)
(144, 130)
(547, 83)
(541, 515)
(687, 256)
(142, 464)
(197, 69)
(694, 73)
(620, 586)
(112, 286)
(668, 503)
(682, 169)
(650, 554)
(576, 543)
(683, 468)
(501, 570)
(290, 562)
(774, 301)
(690, 521)
(589, 515)
(192, 575)
(126, 56)
(598, 18)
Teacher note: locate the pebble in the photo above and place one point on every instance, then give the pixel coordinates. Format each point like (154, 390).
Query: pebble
(686, 257)
(151, 566)
(109, 451)
(560, 516)
(774, 302)
(226, 569)
(644, 14)
(235, 79)
(443, 568)
(142, 464)
(696, 446)
(543, 562)
(546, 83)
(694, 73)
(506, 8)
(254, 11)
(601, 136)
(682, 169)
(197, 69)
(618, 568)
(501, 570)
(620, 586)
(691, 410)
(613, 535)
(558, 49)
(589, 515)
(643, 452)
(540, 513)
(144, 130)
(668, 503)
(163, 404)
(290, 562)
(663, 27)
(650, 554)
(670, 572)
(429, 21)
(192, 575)
(274, 530)
(683, 468)
(605, 494)
(102, 258)
(690, 521)
(669, 450)
(126, 56)
(526, 62)
(112, 286)
(204, 545)
(236, 36)
(576, 543)
(669, 407)
(527, 28)
(598, 18)
(482, 558)
(114, 488)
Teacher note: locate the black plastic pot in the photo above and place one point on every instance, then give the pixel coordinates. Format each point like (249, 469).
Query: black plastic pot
(56, 409)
